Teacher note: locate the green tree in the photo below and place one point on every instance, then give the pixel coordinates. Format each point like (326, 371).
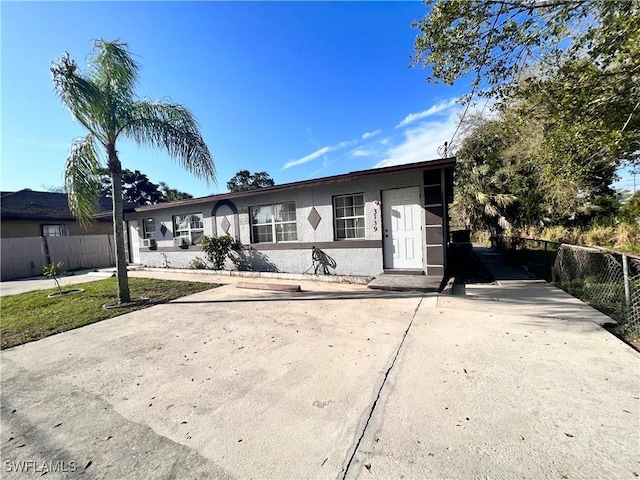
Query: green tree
(577, 60)
(482, 194)
(169, 194)
(103, 100)
(244, 180)
(630, 210)
(510, 172)
(54, 188)
(139, 190)
(494, 42)
(136, 187)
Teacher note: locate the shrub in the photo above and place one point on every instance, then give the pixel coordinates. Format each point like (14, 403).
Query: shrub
(628, 234)
(198, 263)
(601, 236)
(217, 249)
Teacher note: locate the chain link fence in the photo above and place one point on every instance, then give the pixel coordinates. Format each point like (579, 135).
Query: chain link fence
(608, 281)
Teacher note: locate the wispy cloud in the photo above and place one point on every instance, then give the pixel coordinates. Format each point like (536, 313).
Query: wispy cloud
(361, 152)
(439, 107)
(307, 158)
(318, 153)
(367, 135)
(421, 142)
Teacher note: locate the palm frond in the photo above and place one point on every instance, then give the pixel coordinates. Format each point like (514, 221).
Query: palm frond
(504, 223)
(81, 179)
(172, 127)
(113, 68)
(490, 210)
(77, 92)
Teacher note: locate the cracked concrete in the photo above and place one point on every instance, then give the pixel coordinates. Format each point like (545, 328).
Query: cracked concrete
(335, 381)
(232, 378)
(492, 394)
(346, 471)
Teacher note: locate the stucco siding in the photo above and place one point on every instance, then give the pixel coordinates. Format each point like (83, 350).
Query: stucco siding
(348, 261)
(361, 256)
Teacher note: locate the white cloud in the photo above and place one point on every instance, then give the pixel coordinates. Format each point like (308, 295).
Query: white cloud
(307, 158)
(361, 152)
(439, 107)
(370, 134)
(317, 153)
(421, 143)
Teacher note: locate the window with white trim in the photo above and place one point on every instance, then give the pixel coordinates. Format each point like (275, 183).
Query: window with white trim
(348, 214)
(149, 228)
(273, 223)
(54, 231)
(190, 225)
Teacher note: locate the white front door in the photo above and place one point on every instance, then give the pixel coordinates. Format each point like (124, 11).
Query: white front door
(402, 224)
(134, 239)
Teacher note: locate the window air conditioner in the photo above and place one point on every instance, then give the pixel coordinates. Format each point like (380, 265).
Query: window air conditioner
(181, 241)
(149, 242)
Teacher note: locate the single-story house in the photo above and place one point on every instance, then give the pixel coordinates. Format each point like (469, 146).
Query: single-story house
(29, 213)
(359, 223)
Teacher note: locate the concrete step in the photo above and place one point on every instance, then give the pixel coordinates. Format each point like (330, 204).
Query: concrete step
(406, 283)
(403, 271)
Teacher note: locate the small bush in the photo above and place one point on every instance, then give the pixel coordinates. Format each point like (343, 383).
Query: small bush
(600, 236)
(198, 263)
(628, 234)
(217, 249)
(53, 271)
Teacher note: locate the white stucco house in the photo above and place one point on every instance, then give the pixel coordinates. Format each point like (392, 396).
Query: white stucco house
(360, 223)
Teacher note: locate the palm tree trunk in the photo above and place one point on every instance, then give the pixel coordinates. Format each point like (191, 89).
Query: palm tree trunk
(115, 169)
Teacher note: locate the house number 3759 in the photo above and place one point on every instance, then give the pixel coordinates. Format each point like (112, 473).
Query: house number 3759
(375, 219)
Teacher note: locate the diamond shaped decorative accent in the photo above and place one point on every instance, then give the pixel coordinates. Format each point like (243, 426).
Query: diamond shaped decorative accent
(163, 229)
(225, 224)
(314, 218)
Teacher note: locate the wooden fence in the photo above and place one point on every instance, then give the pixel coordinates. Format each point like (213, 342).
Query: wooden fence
(24, 257)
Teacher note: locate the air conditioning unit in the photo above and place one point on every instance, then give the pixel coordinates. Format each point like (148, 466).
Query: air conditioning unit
(181, 241)
(149, 242)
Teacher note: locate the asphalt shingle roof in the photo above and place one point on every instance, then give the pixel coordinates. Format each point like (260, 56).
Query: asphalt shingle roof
(33, 205)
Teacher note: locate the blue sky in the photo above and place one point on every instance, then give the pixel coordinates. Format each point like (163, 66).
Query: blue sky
(299, 89)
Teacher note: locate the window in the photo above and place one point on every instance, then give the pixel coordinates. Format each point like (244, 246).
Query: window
(189, 225)
(274, 223)
(149, 228)
(349, 216)
(54, 231)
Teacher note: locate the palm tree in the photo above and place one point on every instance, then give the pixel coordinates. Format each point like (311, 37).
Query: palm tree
(103, 101)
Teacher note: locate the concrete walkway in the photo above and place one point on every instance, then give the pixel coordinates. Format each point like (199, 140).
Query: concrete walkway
(336, 381)
(22, 285)
(523, 294)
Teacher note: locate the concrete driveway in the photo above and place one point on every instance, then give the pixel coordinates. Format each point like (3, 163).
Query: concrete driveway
(333, 382)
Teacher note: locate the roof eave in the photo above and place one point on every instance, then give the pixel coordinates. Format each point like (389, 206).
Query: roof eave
(345, 177)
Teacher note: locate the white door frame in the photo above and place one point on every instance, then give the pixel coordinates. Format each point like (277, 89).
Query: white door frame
(402, 228)
(134, 241)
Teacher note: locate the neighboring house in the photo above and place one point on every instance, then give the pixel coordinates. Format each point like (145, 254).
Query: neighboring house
(28, 213)
(359, 223)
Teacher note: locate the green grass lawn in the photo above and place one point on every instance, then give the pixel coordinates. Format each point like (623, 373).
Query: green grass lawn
(31, 316)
